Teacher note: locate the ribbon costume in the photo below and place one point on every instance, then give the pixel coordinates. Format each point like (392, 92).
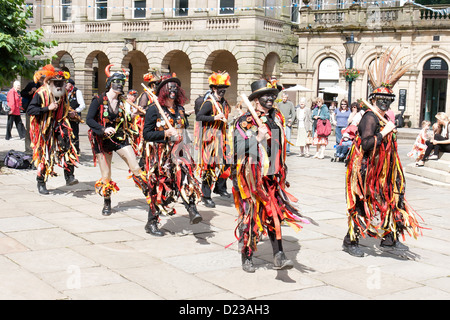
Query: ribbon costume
(50, 131)
(375, 180)
(210, 139)
(112, 129)
(259, 178)
(168, 162)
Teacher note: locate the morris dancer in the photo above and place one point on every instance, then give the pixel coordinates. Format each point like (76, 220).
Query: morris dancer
(375, 181)
(169, 165)
(112, 129)
(50, 131)
(259, 177)
(210, 139)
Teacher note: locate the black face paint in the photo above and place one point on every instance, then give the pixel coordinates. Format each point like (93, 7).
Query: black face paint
(117, 85)
(173, 90)
(221, 92)
(383, 104)
(267, 100)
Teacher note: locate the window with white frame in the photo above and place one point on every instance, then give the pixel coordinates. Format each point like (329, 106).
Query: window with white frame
(181, 7)
(66, 10)
(139, 9)
(226, 6)
(101, 9)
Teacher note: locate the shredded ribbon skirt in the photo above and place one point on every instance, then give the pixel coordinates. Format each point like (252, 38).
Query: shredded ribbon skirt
(263, 204)
(170, 174)
(52, 143)
(376, 183)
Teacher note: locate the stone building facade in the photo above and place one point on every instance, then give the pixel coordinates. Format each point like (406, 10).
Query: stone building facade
(189, 38)
(300, 42)
(422, 36)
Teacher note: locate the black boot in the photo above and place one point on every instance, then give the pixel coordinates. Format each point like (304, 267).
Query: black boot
(352, 247)
(391, 243)
(208, 202)
(194, 216)
(280, 262)
(106, 211)
(68, 175)
(42, 188)
(247, 263)
(152, 227)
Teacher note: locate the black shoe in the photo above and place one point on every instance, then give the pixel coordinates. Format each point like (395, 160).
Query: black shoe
(247, 264)
(107, 207)
(194, 216)
(353, 249)
(152, 228)
(396, 246)
(42, 188)
(223, 194)
(70, 181)
(280, 262)
(209, 203)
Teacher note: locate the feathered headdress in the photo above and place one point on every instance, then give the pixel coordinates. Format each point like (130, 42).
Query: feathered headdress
(219, 79)
(384, 73)
(152, 76)
(50, 73)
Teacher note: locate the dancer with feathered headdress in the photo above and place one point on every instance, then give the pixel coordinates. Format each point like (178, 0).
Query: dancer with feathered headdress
(375, 181)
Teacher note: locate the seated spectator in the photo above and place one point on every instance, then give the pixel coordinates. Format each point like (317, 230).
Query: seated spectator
(419, 147)
(440, 141)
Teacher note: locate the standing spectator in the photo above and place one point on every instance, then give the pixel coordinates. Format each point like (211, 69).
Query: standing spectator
(356, 114)
(27, 94)
(321, 113)
(15, 103)
(287, 108)
(342, 114)
(303, 115)
(77, 105)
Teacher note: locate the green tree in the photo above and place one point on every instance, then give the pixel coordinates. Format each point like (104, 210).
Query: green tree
(17, 44)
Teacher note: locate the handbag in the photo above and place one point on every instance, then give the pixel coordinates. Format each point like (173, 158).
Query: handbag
(323, 128)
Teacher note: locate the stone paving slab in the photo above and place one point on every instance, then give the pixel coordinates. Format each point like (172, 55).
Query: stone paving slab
(60, 246)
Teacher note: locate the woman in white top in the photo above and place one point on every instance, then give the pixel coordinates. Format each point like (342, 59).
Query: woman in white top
(304, 127)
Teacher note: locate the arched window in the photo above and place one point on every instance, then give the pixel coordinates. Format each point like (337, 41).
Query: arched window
(328, 77)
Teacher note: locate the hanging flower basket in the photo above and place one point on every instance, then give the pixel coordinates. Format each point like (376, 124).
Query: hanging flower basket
(351, 74)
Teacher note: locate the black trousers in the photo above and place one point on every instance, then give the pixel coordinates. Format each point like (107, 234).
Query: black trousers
(436, 147)
(76, 132)
(19, 126)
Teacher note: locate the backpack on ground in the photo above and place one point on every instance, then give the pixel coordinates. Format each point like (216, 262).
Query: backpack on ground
(18, 160)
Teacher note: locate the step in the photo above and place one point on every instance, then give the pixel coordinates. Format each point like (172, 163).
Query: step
(430, 182)
(438, 165)
(444, 156)
(430, 173)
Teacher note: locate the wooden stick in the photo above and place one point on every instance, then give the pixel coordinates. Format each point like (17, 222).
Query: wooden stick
(253, 112)
(155, 100)
(138, 107)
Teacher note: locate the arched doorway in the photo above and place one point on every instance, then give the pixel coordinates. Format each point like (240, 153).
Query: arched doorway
(271, 65)
(137, 65)
(95, 65)
(328, 77)
(434, 88)
(64, 61)
(179, 63)
(223, 60)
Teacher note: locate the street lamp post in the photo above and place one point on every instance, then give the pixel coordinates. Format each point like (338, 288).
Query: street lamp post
(351, 46)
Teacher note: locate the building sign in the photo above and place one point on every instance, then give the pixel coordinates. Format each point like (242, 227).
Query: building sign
(435, 64)
(402, 100)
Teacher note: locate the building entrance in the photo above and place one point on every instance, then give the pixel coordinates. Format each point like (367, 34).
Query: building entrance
(434, 89)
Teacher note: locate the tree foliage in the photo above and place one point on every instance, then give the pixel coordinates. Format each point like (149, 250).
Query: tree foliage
(17, 44)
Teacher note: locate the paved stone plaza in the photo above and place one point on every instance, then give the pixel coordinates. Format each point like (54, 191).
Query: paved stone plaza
(60, 246)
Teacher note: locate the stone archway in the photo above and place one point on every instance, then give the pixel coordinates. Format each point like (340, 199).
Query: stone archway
(271, 66)
(137, 64)
(223, 60)
(178, 62)
(95, 77)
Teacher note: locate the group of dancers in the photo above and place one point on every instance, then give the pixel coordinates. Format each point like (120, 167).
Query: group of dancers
(249, 150)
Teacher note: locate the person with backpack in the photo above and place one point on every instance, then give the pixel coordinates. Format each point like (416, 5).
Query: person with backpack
(210, 139)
